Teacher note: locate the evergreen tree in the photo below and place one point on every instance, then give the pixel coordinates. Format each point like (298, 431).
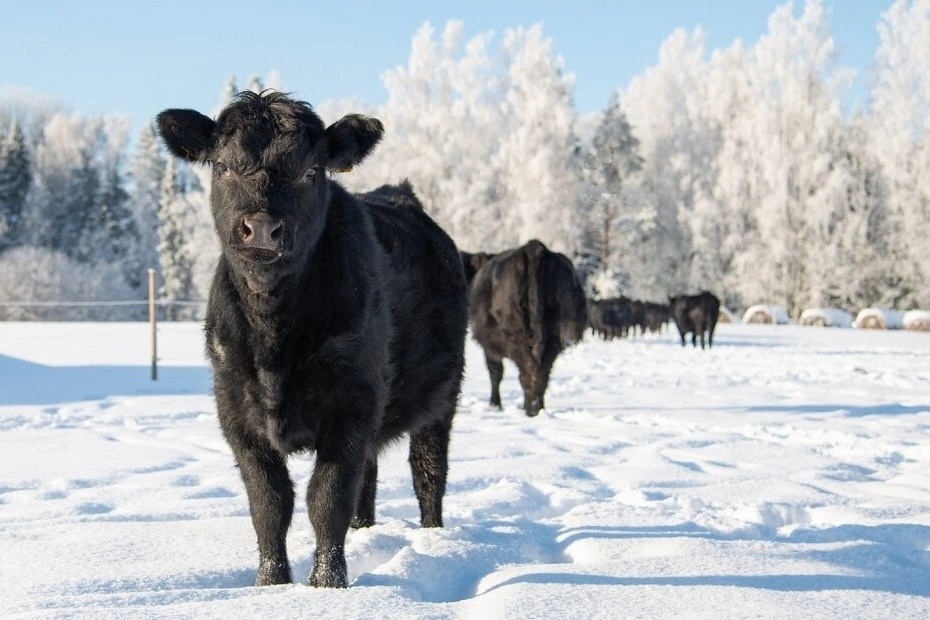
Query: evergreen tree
(147, 170)
(255, 84)
(174, 259)
(119, 239)
(15, 178)
(606, 207)
(227, 94)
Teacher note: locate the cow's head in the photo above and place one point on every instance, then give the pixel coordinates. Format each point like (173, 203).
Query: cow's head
(472, 262)
(269, 195)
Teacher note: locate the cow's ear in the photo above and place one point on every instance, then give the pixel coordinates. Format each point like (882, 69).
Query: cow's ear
(188, 134)
(350, 140)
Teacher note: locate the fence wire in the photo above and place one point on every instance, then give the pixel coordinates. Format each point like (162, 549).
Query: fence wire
(92, 310)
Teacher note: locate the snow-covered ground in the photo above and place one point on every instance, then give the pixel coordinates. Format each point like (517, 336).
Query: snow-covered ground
(784, 473)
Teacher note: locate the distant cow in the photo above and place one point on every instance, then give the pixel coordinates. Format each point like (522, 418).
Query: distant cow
(655, 316)
(527, 305)
(611, 317)
(336, 323)
(697, 315)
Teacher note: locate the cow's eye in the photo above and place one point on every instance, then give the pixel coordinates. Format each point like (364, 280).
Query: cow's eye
(310, 175)
(220, 167)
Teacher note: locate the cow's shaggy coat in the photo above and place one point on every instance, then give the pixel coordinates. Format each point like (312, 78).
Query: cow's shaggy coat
(336, 323)
(527, 305)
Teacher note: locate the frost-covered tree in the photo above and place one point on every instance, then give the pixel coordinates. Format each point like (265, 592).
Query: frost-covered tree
(15, 178)
(41, 275)
(667, 106)
(438, 118)
(609, 206)
(67, 184)
(173, 249)
(146, 171)
(485, 138)
(537, 160)
(798, 117)
(900, 132)
(748, 152)
(856, 263)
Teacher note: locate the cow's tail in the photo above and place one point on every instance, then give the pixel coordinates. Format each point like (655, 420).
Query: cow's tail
(534, 295)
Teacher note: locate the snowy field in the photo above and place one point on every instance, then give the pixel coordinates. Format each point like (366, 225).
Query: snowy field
(785, 473)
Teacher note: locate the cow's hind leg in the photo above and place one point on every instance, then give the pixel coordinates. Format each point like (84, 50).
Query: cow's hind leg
(530, 381)
(271, 504)
(429, 464)
(365, 510)
(496, 371)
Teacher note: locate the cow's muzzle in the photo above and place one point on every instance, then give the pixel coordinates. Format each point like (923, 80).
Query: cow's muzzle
(261, 237)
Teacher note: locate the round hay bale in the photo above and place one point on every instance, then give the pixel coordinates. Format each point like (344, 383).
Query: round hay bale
(766, 315)
(825, 317)
(727, 316)
(872, 321)
(878, 318)
(917, 320)
(759, 317)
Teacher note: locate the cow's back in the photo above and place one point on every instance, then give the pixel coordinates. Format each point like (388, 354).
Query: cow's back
(499, 303)
(428, 302)
(565, 308)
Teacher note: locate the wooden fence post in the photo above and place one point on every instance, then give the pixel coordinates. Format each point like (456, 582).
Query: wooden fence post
(153, 324)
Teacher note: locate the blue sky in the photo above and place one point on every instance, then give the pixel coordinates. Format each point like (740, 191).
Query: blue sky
(136, 58)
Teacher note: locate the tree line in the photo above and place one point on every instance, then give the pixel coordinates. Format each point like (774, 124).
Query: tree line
(737, 170)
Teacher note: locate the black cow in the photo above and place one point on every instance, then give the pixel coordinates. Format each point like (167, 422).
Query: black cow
(610, 318)
(696, 314)
(655, 316)
(526, 304)
(335, 323)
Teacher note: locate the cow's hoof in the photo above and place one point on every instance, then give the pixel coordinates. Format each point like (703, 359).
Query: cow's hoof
(273, 574)
(358, 522)
(329, 570)
(328, 579)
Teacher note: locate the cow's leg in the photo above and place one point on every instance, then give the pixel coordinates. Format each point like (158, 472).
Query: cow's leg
(365, 509)
(682, 334)
(710, 338)
(548, 360)
(496, 371)
(530, 378)
(694, 338)
(331, 500)
(271, 504)
(429, 464)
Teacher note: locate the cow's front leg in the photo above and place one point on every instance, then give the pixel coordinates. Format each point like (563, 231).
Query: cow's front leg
(271, 504)
(331, 502)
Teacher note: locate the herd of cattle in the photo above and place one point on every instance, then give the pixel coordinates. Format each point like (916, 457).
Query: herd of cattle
(527, 304)
(337, 322)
